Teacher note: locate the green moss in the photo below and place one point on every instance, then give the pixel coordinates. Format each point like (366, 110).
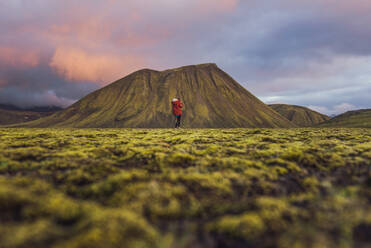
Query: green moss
(184, 188)
(48, 215)
(115, 228)
(177, 159)
(311, 184)
(248, 226)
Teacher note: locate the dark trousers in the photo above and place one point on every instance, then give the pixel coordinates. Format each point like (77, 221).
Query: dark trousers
(177, 124)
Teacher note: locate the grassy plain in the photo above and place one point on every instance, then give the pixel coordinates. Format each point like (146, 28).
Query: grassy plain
(148, 188)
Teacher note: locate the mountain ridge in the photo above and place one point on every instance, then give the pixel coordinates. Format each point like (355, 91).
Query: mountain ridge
(300, 115)
(360, 118)
(211, 97)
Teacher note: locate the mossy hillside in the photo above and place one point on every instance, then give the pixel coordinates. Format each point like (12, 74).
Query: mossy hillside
(300, 116)
(354, 119)
(212, 99)
(185, 188)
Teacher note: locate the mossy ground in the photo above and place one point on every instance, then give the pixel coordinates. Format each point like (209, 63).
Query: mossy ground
(185, 188)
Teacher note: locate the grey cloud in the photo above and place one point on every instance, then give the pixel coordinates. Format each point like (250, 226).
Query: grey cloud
(40, 86)
(358, 97)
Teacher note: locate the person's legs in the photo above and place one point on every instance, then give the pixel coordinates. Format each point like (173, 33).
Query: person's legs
(179, 117)
(177, 124)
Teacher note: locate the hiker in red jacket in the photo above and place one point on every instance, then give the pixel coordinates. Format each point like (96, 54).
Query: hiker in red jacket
(177, 110)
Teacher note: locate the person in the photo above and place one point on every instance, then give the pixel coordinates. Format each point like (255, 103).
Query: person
(177, 110)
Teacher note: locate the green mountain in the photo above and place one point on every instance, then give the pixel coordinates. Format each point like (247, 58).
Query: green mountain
(211, 98)
(10, 114)
(357, 118)
(300, 116)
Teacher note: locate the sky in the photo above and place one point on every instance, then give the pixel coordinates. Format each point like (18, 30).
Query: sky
(314, 53)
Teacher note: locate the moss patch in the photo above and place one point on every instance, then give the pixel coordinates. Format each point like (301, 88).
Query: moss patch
(185, 188)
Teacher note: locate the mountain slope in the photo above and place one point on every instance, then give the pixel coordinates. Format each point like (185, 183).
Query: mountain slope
(10, 114)
(357, 118)
(300, 116)
(212, 99)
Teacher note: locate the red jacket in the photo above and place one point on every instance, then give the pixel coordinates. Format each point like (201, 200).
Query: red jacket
(177, 107)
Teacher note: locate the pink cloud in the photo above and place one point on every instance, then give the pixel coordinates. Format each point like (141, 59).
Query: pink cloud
(217, 5)
(112, 36)
(2, 83)
(79, 65)
(104, 41)
(138, 23)
(105, 26)
(18, 57)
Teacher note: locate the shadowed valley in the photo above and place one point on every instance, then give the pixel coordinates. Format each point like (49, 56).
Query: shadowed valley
(10, 114)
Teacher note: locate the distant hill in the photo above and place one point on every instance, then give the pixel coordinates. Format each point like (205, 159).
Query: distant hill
(357, 118)
(300, 116)
(31, 109)
(10, 114)
(212, 99)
